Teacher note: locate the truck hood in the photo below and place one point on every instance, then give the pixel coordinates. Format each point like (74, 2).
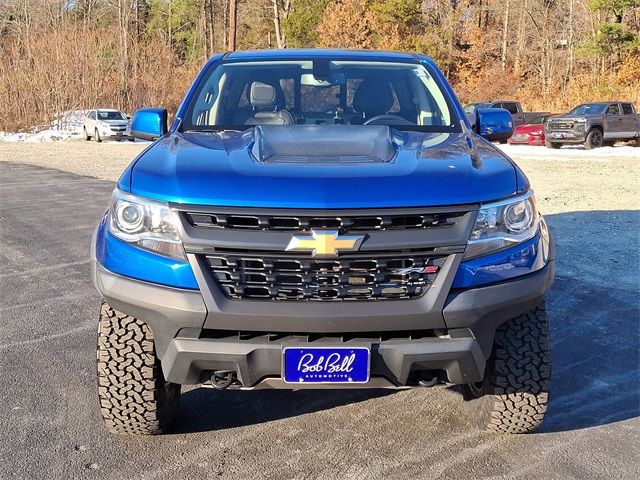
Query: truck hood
(573, 118)
(116, 123)
(312, 167)
(528, 128)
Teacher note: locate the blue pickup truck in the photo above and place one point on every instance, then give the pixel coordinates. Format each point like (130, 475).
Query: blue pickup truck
(322, 219)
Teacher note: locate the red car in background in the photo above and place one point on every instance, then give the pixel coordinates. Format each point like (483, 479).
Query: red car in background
(530, 133)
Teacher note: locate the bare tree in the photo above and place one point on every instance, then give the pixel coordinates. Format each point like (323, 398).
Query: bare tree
(281, 10)
(233, 24)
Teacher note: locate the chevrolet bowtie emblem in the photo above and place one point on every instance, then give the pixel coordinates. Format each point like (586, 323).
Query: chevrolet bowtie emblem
(325, 243)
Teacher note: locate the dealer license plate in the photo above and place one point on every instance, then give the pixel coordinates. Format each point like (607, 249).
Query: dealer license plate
(326, 365)
(558, 135)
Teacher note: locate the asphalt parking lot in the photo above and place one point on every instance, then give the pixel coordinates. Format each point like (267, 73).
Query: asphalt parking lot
(49, 419)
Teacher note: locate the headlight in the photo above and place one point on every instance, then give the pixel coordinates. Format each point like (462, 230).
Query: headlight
(145, 223)
(503, 224)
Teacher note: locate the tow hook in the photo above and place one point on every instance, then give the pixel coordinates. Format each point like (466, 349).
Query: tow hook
(221, 379)
(428, 383)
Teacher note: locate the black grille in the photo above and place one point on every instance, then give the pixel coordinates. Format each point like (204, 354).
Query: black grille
(561, 125)
(306, 222)
(306, 337)
(289, 278)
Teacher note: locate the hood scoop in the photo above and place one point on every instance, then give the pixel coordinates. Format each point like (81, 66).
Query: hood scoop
(323, 144)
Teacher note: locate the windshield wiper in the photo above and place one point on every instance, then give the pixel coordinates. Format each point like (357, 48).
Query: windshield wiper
(211, 130)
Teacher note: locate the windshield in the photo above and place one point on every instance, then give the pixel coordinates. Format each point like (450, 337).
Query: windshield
(589, 108)
(110, 115)
(235, 95)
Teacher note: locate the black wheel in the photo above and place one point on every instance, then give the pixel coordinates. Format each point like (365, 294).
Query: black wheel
(87, 137)
(553, 145)
(96, 136)
(594, 139)
(134, 397)
(513, 396)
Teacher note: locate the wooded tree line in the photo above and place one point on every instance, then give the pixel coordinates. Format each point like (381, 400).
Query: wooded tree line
(57, 55)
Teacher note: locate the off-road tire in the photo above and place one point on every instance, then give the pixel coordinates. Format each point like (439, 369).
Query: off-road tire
(594, 139)
(513, 396)
(134, 397)
(87, 137)
(96, 136)
(553, 145)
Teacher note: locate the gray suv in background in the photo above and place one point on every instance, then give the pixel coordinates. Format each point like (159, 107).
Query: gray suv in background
(594, 125)
(103, 123)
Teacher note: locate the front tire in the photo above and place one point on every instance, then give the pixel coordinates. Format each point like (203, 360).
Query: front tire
(96, 136)
(513, 396)
(553, 145)
(134, 397)
(87, 137)
(594, 139)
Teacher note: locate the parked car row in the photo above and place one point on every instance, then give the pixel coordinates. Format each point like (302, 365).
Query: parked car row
(593, 125)
(103, 123)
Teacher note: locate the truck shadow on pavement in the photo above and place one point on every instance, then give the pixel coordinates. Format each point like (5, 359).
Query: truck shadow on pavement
(595, 331)
(594, 312)
(204, 410)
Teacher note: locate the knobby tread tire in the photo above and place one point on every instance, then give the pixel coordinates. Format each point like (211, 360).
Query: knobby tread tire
(589, 143)
(514, 394)
(134, 397)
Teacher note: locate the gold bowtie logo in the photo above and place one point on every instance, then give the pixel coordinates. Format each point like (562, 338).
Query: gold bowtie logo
(325, 243)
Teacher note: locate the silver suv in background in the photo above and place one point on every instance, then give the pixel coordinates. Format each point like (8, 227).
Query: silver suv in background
(101, 123)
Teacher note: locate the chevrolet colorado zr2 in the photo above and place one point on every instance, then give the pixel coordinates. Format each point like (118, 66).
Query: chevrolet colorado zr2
(322, 219)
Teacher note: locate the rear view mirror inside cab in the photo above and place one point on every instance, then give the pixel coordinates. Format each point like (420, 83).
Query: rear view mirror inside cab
(309, 80)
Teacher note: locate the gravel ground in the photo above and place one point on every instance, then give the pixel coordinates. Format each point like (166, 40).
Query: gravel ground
(49, 421)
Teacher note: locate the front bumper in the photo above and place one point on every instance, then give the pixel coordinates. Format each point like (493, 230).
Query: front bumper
(188, 355)
(533, 140)
(566, 136)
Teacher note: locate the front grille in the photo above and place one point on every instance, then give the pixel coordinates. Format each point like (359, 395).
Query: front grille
(561, 125)
(302, 278)
(118, 129)
(306, 337)
(306, 222)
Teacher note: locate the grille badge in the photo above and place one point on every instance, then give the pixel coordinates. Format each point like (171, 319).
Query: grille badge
(324, 243)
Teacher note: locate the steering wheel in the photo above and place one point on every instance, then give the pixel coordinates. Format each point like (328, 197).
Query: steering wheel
(388, 119)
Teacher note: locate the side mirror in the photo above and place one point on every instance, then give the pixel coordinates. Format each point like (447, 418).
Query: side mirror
(149, 123)
(494, 124)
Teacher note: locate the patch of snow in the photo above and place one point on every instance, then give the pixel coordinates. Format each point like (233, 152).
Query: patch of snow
(67, 126)
(570, 152)
(49, 135)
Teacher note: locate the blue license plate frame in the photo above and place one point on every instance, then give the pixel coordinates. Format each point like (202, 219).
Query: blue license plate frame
(326, 365)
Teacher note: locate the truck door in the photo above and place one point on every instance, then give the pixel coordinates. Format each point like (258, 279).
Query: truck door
(613, 122)
(516, 114)
(629, 121)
